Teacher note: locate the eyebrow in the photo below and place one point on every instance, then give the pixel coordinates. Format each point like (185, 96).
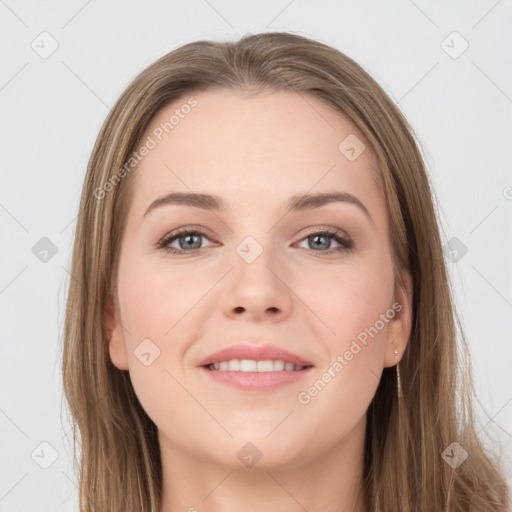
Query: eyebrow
(296, 203)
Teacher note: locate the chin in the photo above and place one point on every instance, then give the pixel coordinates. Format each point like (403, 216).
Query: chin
(259, 451)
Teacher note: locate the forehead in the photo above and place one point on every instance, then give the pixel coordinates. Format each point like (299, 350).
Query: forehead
(247, 146)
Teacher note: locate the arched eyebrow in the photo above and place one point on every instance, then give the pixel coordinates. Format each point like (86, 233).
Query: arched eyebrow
(296, 203)
(311, 201)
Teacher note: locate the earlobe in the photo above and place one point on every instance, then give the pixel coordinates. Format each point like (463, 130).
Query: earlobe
(400, 327)
(114, 336)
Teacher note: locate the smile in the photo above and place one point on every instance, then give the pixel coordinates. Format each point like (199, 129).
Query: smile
(251, 365)
(255, 376)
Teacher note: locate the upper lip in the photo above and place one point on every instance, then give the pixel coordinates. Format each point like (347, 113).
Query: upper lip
(255, 352)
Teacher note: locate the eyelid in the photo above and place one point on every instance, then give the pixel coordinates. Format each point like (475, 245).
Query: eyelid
(311, 230)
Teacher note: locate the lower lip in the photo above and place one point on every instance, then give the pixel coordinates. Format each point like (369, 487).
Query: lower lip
(256, 381)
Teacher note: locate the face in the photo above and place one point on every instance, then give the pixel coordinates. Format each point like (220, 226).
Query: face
(316, 280)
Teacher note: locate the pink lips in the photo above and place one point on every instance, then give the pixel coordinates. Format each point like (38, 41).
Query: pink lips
(255, 352)
(255, 381)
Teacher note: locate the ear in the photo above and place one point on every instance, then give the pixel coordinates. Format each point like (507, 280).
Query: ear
(399, 328)
(115, 336)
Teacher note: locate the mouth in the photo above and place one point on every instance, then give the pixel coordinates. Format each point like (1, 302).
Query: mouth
(249, 375)
(254, 366)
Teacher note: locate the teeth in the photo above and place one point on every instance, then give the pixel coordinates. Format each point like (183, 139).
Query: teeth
(250, 365)
(234, 365)
(279, 366)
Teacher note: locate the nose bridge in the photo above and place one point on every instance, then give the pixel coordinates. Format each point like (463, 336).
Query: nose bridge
(257, 285)
(256, 258)
(256, 232)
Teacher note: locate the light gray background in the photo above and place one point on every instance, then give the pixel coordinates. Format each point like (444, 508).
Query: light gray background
(52, 109)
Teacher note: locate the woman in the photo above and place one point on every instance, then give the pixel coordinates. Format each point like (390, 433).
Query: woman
(256, 254)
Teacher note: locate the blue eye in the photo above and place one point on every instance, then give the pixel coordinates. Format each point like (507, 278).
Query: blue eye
(315, 240)
(190, 238)
(190, 241)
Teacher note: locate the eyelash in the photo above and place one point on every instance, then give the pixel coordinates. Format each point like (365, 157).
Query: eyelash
(346, 242)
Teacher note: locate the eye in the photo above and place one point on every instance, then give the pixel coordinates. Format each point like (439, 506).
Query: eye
(189, 241)
(322, 240)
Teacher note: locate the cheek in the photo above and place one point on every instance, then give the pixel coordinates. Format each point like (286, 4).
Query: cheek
(153, 307)
(349, 300)
(156, 300)
(356, 307)
(161, 307)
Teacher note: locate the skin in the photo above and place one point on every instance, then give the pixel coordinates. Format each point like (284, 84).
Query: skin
(256, 150)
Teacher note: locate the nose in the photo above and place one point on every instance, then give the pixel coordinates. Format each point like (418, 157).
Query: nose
(258, 290)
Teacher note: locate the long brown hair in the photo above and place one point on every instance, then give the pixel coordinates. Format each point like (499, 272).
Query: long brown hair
(404, 468)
